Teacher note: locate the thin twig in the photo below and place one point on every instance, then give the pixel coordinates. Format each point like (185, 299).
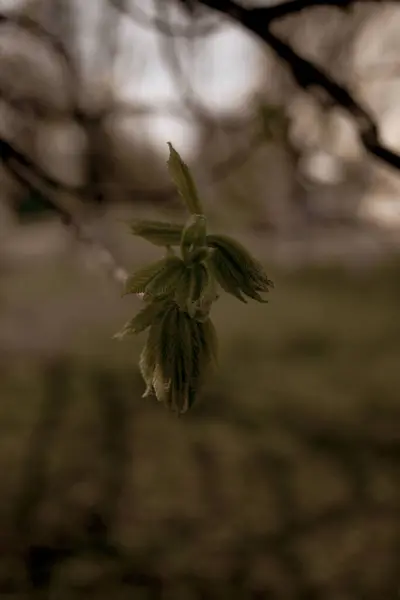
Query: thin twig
(69, 206)
(306, 73)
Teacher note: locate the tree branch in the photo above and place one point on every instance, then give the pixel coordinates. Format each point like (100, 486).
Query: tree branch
(270, 13)
(66, 202)
(306, 73)
(277, 11)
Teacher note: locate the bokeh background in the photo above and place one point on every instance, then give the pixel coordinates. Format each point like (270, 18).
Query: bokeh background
(284, 480)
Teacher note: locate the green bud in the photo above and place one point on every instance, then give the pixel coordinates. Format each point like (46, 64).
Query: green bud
(200, 255)
(178, 295)
(183, 180)
(193, 236)
(184, 351)
(197, 282)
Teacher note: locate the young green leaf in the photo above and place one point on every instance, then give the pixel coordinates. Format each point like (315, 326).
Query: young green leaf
(195, 351)
(204, 353)
(242, 260)
(237, 268)
(169, 350)
(184, 366)
(178, 295)
(193, 236)
(209, 292)
(203, 289)
(160, 385)
(143, 319)
(198, 285)
(168, 334)
(181, 176)
(147, 365)
(222, 272)
(200, 255)
(137, 283)
(166, 280)
(157, 232)
(149, 368)
(182, 289)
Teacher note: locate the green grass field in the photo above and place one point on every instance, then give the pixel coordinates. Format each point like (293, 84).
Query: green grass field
(282, 481)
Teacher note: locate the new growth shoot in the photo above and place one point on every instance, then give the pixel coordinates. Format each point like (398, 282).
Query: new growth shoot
(179, 291)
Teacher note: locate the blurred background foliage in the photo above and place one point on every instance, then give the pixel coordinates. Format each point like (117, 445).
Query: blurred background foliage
(284, 480)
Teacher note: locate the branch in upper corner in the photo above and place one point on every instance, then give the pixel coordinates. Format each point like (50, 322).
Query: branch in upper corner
(277, 11)
(306, 73)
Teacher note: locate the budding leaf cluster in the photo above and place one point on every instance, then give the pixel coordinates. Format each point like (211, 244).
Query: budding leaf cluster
(178, 292)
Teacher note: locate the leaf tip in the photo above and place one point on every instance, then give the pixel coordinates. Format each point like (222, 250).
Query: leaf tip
(171, 149)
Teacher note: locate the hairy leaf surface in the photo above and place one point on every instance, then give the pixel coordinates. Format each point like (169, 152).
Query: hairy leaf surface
(158, 232)
(138, 281)
(183, 180)
(166, 280)
(143, 319)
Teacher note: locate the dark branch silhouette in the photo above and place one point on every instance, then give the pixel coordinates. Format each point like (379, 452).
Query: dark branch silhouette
(277, 11)
(257, 20)
(306, 73)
